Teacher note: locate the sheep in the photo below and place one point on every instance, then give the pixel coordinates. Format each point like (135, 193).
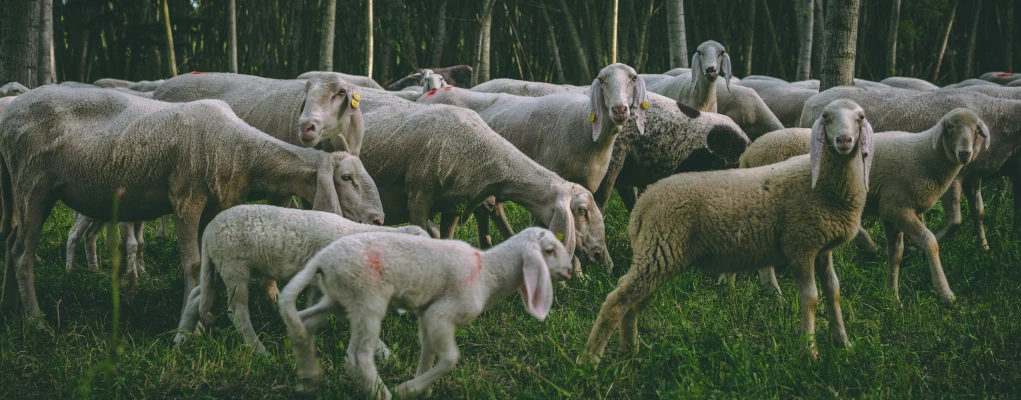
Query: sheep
(273, 242)
(13, 89)
(78, 85)
(748, 110)
(744, 219)
(1000, 78)
(909, 83)
(525, 88)
(147, 95)
(678, 71)
(808, 84)
(357, 80)
(466, 162)
(431, 81)
(108, 83)
(446, 283)
(783, 99)
(132, 234)
(4, 101)
(911, 111)
(80, 146)
(814, 84)
(697, 91)
(458, 75)
(1000, 92)
(146, 86)
(970, 82)
(912, 171)
(299, 112)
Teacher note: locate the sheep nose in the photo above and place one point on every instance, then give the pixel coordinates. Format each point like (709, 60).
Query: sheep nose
(964, 155)
(376, 219)
(711, 72)
(597, 256)
(308, 131)
(620, 112)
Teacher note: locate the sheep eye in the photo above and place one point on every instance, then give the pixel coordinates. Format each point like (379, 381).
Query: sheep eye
(346, 177)
(551, 251)
(583, 210)
(634, 78)
(601, 80)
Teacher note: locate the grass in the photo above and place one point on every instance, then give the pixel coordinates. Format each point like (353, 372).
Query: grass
(697, 339)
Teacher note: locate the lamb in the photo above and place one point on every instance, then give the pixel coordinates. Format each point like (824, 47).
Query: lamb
(912, 171)
(299, 112)
(108, 83)
(696, 90)
(431, 81)
(134, 244)
(904, 82)
(446, 283)
(357, 80)
(79, 146)
(783, 99)
(13, 89)
(273, 242)
(911, 111)
(785, 213)
(468, 163)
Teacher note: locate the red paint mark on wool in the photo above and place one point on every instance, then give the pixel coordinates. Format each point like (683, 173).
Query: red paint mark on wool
(375, 265)
(475, 272)
(448, 88)
(431, 92)
(1005, 74)
(197, 72)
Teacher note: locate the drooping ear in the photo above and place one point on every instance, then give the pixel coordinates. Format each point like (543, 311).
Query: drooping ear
(326, 191)
(867, 145)
(983, 130)
(596, 116)
(562, 223)
(353, 98)
(817, 147)
(537, 292)
(725, 66)
(940, 128)
(696, 68)
(640, 104)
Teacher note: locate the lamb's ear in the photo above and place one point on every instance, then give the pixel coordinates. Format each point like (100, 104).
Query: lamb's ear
(596, 116)
(562, 224)
(940, 129)
(640, 104)
(725, 66)
(537, 292)
(867, 146)
(817, 147)
(326, 190)
(983, 130)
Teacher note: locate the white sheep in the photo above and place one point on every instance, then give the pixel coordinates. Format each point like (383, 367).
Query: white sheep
(904, 82)
(446, 283)
(1000, 78)
(795, 212)
(911, 171)
(970, 82)
(271, 242)
(357, 80)
(783, 99)
(13, 89)
(108, 83)
(200, 159)
(697, 89)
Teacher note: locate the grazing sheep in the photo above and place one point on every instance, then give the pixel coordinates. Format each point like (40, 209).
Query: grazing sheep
(911, 171)
(795, 212)
(697, 91)
(357, 80)
(13, 89)
(446, 283)
(466, 163)
(783, 99)
(1000, 78)
(912, 111)
(273, 242)
(109, 83)
(904, 82)
(299, 112)
(132, 234)
(80, 146)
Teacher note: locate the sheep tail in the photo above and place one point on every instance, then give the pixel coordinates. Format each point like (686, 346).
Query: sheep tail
(288, 299)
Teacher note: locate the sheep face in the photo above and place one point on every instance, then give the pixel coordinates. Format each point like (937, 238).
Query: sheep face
(958, 131)
(431, 81)
(554, 255)
(710, 60)
(841, 126)
(620, 91)
(589, 228)
(329, 108)
(357, 193)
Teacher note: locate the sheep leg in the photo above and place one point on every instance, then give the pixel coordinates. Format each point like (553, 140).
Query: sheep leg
(628, 195)
(951, 200)
(808, 298)
(130, 251)
(448, 224)
(831, 289)
(31, 215)
(314, 317)
(440, 336)
(9, 298)
(81, 223)
(915, 230)
(238, 310)
(163, 230)
(272, 291)
(365, 326)
(420, 213)
(140, 240)
(767, 276)
(973, 191)
(629, 326)
(187, 220)
(502, 223)
(482, 220)
(190, 317)
(865, 242)
(895, 254)
(91, 236)
(632, 288)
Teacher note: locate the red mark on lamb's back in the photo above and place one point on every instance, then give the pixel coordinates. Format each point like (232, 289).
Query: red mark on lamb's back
(375, 265)
(197, 72)
(475, 272)
(1002, 74)
(448, 88)
(431, 92)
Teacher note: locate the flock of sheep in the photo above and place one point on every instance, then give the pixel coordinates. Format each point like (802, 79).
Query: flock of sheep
(354, 156)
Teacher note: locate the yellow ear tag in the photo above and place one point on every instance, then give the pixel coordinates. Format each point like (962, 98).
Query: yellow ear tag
(592, 117)
(560, 236)
(645, 105)
(357, 96)
(354, 102)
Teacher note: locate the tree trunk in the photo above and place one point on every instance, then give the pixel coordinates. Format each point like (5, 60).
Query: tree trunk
(19, 35)
(749, 38)
(47, 63)
(841, 37)
(818, 28)
(891, 41)
(576, 44)
(943, 43)
(805, 14)
(557, 65)
(776, 45)
(440, 35)
(640, 55)
(232, 37)
(368, 38)
(480, 72)
(297, 28)
(613, 33)
(172, 60)
(594, 35)
(676, 36)
(970, 59)
(1008, 39)
(327, 31)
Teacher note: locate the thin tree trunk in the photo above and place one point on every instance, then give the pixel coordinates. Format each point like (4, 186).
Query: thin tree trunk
(613, 33)
(480, 72)
(891, 41)
(170, 40)
(440, 35)
(841, 37)
(749, 38)
(297, 28)
(805, 12)
(676, 35)
(327, 31)
(557, 65)
(577, 44)
(84, 60)
(47, 64)
(943, 43)
(818, 29)
(232, 37)
(970, 59)
(775, 42)
(643, 35)
(368, 38)
(594, 35)
(518, 46)
(19, 36)
(1008, 39)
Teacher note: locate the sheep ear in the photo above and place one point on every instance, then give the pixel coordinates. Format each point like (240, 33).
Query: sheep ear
(537, 292)
(640, 105)
(725, 66)
(983, 130)
(353, 98)
(696, 68)
(817, 147)
(596, 116)
(940, 128)
(867, 145)
(563, 224)
(326, 191)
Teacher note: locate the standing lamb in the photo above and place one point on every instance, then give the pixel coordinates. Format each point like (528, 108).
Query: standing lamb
(273, 242)
(697, 90)
(795, 212)
(79, 146)
(912, 171)
(446, 283)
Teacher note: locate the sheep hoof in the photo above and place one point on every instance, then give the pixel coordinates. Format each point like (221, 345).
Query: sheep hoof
(947, 299)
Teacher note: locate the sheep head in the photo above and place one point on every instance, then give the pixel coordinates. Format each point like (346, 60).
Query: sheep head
(356, 192)
(710, 61)
(842, 127)
(544, 256)
(330, 109)
(618, 91)
(959, 130)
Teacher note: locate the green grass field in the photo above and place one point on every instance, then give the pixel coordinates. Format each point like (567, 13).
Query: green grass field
(697, 339)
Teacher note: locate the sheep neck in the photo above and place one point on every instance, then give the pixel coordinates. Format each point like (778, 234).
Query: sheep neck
(704, 97)
(840, 183)
(285, 169)
(501, 272)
